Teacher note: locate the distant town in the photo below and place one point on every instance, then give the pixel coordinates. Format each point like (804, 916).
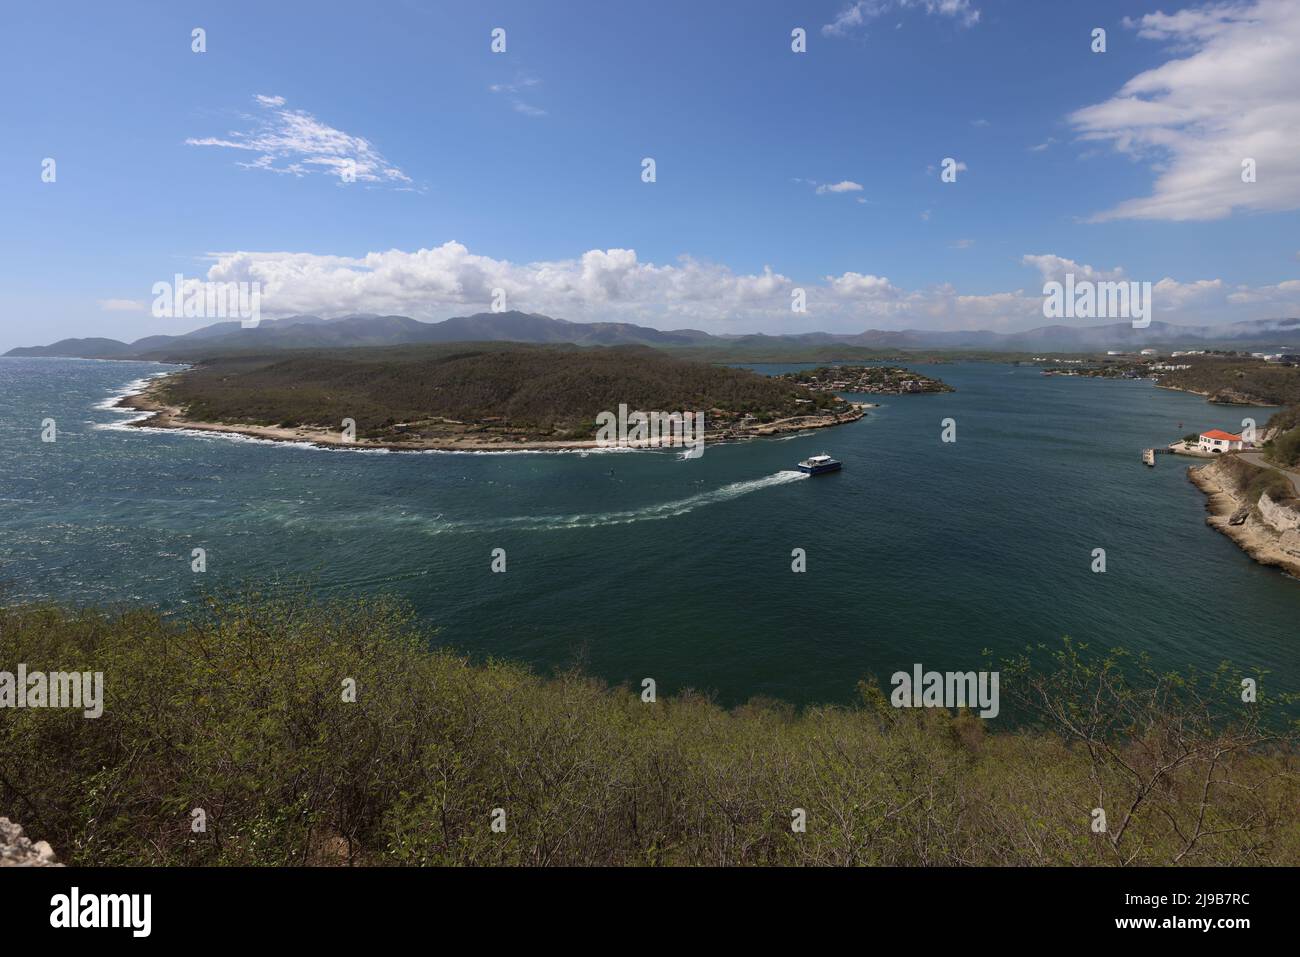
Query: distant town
(869, 380)
(1151, 363)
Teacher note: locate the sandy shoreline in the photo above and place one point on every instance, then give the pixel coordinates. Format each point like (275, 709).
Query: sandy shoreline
(165, 416)
(1252, 536)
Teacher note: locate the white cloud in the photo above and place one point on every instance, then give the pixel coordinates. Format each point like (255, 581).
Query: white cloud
(1229, 95)
(1039, 147)
(843, 186)
(616, 285)
(520, 84)
(854, 285)
(1284, 294)
(963, 244)
(859, 13)
(1200, 301)
(121, 305)
(296, 143)
(517, 86)
(1054, 268)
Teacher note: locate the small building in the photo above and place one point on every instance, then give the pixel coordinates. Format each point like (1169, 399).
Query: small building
(1216, 440)
(1149, 352)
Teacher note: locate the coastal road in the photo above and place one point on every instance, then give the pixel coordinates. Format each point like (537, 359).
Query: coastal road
(1257, 458)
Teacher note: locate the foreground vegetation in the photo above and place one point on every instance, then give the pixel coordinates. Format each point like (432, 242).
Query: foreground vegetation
(240, 712)
(552, 392)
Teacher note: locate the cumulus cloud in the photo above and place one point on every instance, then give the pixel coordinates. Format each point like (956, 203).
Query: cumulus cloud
(854, 285)
(617, 285)
(843, 186)
(861, 12)
(1229, 94)
(1283, 295)
(1199, 301)
(1053, 268)
(297, 143)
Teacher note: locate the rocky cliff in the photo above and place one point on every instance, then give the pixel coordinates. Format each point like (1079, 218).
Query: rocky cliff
(1266, 528)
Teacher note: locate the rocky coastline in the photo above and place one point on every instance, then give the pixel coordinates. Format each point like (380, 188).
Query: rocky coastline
(1267, 530)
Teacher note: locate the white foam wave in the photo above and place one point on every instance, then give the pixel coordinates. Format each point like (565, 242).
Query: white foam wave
(658, 512)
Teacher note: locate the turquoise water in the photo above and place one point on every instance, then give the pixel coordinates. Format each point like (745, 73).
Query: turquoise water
(645, 565)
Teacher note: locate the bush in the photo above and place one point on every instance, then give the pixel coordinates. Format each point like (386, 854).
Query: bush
(240, 712)
(1285, 448)
(1252, 481)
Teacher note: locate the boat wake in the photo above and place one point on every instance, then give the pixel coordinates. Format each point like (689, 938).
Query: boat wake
(663, 510)
(551, 523)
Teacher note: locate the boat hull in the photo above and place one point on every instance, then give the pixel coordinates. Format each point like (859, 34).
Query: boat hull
(819, 469)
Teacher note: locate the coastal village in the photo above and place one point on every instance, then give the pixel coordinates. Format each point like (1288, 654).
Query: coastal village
(1152, 364)
(869, 380)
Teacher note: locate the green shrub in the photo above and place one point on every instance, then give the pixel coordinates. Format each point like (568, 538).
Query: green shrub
(240, 712)
(1285, 448)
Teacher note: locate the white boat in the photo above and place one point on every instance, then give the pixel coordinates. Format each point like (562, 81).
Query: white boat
(817, 464)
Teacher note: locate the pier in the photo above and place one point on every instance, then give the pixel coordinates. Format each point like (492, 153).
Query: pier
(1149, 455)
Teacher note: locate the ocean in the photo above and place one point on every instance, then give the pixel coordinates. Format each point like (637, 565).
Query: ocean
(644, 564)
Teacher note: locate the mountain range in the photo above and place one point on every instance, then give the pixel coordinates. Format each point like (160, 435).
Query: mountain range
(314, 332)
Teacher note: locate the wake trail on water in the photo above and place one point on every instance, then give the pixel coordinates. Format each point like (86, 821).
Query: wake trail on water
(663, 510)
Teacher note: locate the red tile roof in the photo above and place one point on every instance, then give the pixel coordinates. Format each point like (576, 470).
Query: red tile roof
(1221, 435)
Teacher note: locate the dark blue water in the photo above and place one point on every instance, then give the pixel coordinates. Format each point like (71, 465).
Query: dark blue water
(645, 565)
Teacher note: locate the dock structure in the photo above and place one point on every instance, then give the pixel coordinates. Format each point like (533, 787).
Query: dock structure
(1149, 455)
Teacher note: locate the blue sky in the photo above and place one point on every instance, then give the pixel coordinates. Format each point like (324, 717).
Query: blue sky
(522, 170)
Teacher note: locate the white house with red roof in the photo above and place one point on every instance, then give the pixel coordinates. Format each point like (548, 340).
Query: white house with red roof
(1216, 440)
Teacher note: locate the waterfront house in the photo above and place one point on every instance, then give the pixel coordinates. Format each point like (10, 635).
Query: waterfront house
(1216, 440)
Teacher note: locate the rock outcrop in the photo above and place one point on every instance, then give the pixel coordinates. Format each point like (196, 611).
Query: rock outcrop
(1267, 531)
(1281, 517)
(17, 851)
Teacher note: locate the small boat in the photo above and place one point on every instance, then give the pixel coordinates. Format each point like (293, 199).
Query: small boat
(817, 464)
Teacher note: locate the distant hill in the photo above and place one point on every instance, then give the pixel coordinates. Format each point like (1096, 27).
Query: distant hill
(314, 332)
